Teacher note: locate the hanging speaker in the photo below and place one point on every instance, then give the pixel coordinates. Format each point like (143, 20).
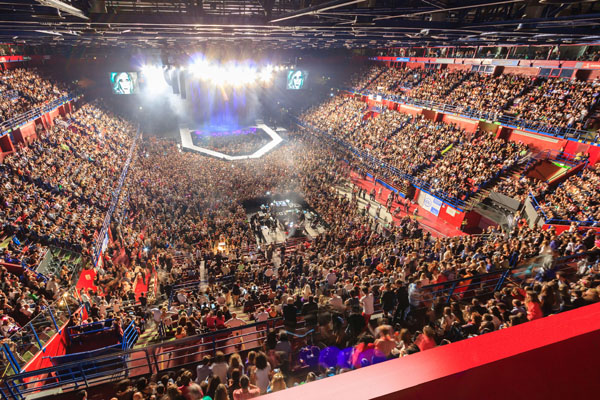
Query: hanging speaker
(175, 80)
(182, 88)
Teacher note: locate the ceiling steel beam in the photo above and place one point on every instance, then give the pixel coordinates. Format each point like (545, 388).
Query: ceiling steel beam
(67, 8)
(415, 14)
(314, 10)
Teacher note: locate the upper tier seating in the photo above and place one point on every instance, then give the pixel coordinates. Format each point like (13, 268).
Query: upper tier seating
(24, 89)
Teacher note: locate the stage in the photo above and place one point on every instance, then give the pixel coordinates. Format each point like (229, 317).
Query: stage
(278, 217)
(263, 139)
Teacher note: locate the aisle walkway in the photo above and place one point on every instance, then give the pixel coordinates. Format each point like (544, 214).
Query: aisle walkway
(429, 222)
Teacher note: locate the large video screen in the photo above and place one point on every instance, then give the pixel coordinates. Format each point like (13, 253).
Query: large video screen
(296, 79)
(124, 82)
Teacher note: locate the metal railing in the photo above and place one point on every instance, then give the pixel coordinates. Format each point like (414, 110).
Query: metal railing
(102, 234)
(559, 221)
(32, 338)
(33, 114)
(487, 284)
(490, 116)
(137, 362)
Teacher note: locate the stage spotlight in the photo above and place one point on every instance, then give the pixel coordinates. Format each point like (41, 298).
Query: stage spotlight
(266, 75)
(155, 80)
(146, 69)
(217, 75)
(199, 68)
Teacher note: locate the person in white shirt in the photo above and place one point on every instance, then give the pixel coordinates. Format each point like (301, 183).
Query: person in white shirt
(181, 298)
(116, 304)
(349, 285)
(367, 302)
(220, 367)
(234, 322)
(103, 307)
(336, 302)
(52, 286)
(26, 310)
(331, 278)
(261, 315)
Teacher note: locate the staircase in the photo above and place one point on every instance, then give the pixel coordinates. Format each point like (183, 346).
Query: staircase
(457, 84)
(517, 170)
(372, 80)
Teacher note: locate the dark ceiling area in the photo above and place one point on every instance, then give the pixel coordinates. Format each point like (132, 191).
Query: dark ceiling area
(57, 25)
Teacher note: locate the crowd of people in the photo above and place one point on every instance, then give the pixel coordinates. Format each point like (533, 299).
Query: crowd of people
(55, 192)
(366, 286)
(556, 103)
(339, 114)
(550, 104)
(24, 89)
(437, 86)
(488, 93)
(481, 157)
(393, 81)
(575, 199)
(361, 79)
(236, 143)
(417, 146)
(334, 283)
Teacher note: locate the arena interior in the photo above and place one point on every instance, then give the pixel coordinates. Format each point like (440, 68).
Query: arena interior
(299, 199)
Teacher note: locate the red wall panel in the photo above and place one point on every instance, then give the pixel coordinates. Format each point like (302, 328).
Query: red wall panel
(459, 67)
(410, 109)
(56, 346)
(451, 215)
(522, 71)
(53, 114)
(464, 123)
(6, 145)
(539, 142)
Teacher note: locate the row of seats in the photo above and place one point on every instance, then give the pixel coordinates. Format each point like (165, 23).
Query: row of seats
(545, 103)
(55, 193)
(24, 89)
(429, 150)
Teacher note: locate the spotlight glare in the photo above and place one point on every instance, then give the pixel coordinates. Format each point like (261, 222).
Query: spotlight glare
(155, 80)
(266, 75)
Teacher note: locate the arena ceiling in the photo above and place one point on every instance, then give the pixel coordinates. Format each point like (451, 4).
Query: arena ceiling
(296, 24)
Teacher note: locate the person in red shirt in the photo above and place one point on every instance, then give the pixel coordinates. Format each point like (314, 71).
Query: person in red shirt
(534, 308)
(426, 340)
(247, 391)
(211, 320)
(363, 352)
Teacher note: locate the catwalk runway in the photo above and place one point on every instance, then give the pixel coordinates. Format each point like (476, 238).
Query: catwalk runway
(187, 142)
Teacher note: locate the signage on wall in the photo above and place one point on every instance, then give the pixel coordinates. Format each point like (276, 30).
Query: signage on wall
(432, 204)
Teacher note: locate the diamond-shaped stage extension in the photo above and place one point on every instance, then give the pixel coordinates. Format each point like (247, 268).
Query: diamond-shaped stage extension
(250, 142)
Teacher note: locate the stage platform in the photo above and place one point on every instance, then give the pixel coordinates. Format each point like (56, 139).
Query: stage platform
(187, 140)
(275, 218)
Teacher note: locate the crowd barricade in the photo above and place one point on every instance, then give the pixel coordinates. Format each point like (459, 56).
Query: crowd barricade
(467, 288)
(75, 375)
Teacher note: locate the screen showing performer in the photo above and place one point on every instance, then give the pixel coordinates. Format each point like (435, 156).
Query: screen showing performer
(296, 79)
(124, 82)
